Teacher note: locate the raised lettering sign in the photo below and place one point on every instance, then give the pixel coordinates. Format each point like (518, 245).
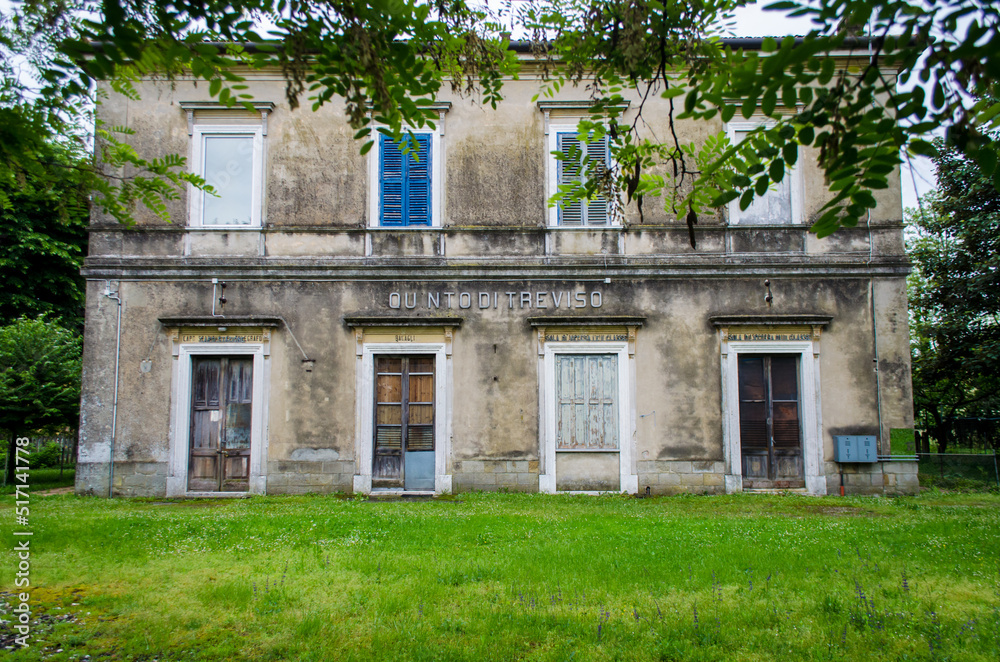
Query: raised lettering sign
(553, 300)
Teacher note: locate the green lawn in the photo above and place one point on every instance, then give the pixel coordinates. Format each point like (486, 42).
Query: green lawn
(42, 479)
(504, 577)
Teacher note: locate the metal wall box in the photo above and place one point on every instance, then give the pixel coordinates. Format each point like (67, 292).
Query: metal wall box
(855, 448)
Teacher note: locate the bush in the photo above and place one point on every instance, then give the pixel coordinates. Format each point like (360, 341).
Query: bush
(48, 456)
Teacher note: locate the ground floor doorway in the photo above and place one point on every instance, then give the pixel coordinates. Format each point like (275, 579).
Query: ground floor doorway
(220, 425)
(587, 395)
(770, 421)
(403, 453)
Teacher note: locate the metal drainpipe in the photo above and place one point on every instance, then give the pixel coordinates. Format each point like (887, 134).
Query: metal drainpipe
(871, 282)
(874, 311)
(114, 409)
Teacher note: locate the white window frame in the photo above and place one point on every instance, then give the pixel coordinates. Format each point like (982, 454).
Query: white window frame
(365, 410)
(555, 127)
(437, 177)
(180, 428)
(196, 197)
(809, 396)
(628, 478)
(792, 174)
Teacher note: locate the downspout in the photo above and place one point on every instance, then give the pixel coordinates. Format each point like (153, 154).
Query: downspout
(871, 290)
(114, 409)
(871, 282)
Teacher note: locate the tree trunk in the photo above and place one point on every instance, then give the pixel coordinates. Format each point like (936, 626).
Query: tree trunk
(943, 435)
(923, 441)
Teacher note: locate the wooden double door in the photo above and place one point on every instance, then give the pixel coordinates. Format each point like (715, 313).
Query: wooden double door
(404, 442)
(221, 412)
(770, 421)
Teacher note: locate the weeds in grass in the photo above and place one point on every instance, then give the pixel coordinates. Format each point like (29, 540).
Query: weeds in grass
(559, 579)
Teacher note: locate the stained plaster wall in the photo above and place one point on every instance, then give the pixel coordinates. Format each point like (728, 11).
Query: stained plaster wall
(495, 417)
(494, 223)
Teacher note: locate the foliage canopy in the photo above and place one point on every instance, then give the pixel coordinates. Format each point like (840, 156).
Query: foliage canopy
(43, 237)
(39, 379)
(955, 297)
(385, 59)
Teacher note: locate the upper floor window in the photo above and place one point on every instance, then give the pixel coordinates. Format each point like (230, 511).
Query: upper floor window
(572, 157)
(227, 151)
(407, 176)
(576, 156)
(405, 179)
(780, 205)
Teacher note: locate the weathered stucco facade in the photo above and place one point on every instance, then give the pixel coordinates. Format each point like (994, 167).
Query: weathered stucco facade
(495, 348)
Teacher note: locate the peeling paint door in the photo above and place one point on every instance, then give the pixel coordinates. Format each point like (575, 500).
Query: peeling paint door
(586, 401)
(221, 406)
(404, 423)
(770, 427)
(587, 439)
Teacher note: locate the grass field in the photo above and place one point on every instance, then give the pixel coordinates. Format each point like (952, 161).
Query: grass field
(508, 577)
(43, 479)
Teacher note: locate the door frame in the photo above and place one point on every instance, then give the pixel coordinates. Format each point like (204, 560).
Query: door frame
(364, 445)
(180, 419)
(810, 415)
(628, 478)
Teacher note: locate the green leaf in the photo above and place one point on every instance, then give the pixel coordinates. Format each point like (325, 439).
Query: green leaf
(777, 170)
(987, 160)
(769, 102)
(724, 198)
(864, 198)
(760, 188)
(826, 71)
(790, 152)
(788, 95)
(922, 147)
(690, 101)
(987, 115)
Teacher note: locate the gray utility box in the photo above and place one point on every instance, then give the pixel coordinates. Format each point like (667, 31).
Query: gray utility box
(855, 448)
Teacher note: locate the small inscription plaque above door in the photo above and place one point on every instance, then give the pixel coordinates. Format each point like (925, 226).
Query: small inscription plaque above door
(762, 334)
(586, 334)
(236, 336)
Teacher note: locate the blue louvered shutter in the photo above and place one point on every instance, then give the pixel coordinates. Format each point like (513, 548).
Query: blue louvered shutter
(390, 175)
(579, 212)
(418, 182)
(405, 182)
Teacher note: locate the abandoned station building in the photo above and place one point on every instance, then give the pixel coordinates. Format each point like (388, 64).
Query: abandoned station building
(339, 322)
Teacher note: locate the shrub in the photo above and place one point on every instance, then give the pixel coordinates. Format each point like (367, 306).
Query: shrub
(48, 456)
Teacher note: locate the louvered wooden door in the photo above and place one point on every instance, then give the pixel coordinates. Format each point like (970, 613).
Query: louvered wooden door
(770, 426)
(404, 423)
(586, 402)
(221, 411)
